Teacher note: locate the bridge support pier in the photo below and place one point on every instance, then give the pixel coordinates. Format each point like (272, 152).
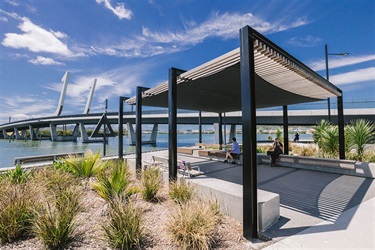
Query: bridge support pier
(34, 134)
(232, 132)
(55, 137)
(218, 133)
(18, 135)
(132, 136)
(84, 136)
(5, 135)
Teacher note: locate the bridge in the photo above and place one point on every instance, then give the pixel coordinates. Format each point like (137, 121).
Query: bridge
(18, 129)
(295, 117)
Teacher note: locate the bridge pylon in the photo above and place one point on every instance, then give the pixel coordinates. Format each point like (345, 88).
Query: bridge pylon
(60, 105)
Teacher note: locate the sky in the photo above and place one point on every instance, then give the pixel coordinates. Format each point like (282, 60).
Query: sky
(129, 43)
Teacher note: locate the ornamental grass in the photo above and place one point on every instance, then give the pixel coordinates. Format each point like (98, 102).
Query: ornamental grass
(55, 220)
(16, 211)
(151, 182)
(125, 228)
(181, 191)
(193, 225)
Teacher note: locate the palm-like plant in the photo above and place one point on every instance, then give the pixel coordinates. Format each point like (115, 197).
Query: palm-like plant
(318, 130)
(360, 132)
(329, 140)
(88, 166)
(279, 134)
(16, 176)
(115, 184)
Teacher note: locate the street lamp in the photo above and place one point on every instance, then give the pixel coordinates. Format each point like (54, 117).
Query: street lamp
(327, 74)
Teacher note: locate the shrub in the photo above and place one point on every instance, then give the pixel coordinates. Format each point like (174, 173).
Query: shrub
(192, 225)
(55, 222)
(115, 184)
(304, 151)
(125, 228)
(181, 191)
(16, 211)
(360, 133)
(61, 164)
(88, 166)
(279, 134)
(151, 181)
(16, 175)
(262, 149)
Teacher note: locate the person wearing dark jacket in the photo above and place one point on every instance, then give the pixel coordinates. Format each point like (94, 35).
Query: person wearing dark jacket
(277, 149)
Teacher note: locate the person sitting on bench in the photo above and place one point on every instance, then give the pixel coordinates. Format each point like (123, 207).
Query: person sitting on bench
(277, 148)
(234, 152)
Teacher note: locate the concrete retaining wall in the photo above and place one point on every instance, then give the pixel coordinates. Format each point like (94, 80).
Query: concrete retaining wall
(346, 167)
(229, 197)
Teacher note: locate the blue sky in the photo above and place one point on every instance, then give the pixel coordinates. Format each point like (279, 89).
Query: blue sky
(129, 43)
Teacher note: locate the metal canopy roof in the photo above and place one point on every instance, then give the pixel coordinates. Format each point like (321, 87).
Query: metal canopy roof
(216, 85)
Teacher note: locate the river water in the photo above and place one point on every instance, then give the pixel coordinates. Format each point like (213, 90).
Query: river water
(19, 148)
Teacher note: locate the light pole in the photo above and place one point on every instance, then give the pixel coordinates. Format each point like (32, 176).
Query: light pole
(327, 74)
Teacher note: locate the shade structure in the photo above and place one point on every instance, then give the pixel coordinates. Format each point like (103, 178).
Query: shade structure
(260, 73)
(216, 85)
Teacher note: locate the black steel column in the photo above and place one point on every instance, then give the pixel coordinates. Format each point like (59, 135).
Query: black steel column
(327, 77)
(286, 134)
(104, 132)
(138, 130)
(121, 127)
(340, 123)
(200, 126)
(249, 169)
(220, 130)
(172, 122)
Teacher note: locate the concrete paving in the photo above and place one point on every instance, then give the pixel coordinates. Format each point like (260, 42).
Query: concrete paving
(317, 210)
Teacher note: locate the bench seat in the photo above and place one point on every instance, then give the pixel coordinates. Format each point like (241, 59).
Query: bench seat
(42, 158)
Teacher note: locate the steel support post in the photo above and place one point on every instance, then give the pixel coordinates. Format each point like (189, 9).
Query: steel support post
(220, 131)
(249, 169)
(121, 127)
(172, 122)
(200, 126)
(327, 77)
(138, 120)
(285, 126)
(340, 123)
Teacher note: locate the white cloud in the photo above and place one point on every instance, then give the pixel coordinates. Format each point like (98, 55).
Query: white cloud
(225, 26)
(340, 61)
(25, 106)
(120, 11)
(308, 41)
(36, 39)
(11, 2)
(40, 60)
(361, 75)
(4, 19)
